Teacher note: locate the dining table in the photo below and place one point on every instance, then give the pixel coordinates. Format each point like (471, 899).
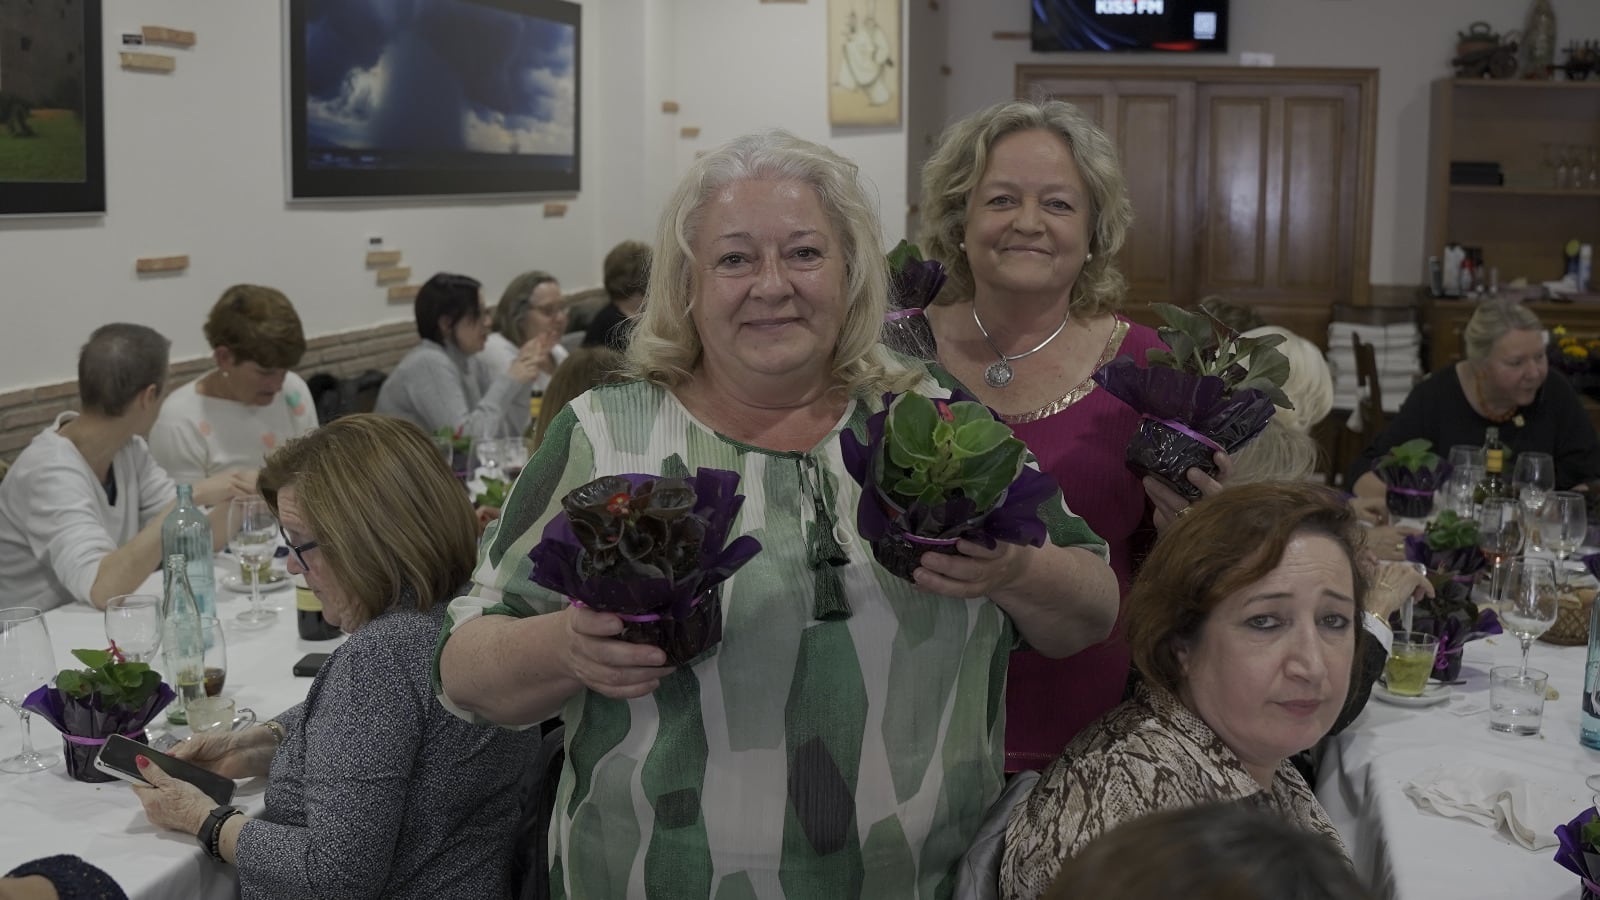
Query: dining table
(1402, 851)
(48, 812)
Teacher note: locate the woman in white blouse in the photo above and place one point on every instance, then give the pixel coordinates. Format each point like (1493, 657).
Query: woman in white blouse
(251, 403)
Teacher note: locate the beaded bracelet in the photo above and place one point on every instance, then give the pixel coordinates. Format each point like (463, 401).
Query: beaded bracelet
(211, 832)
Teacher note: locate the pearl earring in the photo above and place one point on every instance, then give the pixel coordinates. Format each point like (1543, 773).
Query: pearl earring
(962, 246)
(1087, 257)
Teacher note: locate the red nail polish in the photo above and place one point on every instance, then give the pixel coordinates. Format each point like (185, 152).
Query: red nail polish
(141, 762)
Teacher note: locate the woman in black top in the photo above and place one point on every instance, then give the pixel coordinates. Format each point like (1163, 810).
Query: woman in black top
(1505, 381)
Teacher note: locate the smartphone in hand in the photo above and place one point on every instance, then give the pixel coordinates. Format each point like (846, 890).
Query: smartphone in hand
(117, 758)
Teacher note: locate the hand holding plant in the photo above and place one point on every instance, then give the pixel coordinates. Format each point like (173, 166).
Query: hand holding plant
(1210, 390)
(651, 550)
(935, 471)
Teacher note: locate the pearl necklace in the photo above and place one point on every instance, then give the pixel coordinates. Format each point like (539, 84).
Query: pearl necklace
(999, 373)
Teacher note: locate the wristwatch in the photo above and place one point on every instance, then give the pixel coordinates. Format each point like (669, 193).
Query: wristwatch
(211, 830)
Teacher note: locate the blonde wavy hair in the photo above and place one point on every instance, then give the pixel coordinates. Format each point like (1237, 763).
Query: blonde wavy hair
(666, 347)
(954, 170)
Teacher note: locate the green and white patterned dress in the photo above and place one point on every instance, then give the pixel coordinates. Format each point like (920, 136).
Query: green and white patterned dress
(799, 758)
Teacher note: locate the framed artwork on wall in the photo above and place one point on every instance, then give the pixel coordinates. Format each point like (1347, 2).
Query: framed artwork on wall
(864, 63)
(52, 109)
(432, 97)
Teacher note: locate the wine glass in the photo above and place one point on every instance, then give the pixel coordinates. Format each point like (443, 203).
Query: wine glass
(513, 456)
(1528, 601)
(1499, 535)
(1563, 522)
(255, 537)
(26, 661)
(490, 453)
(133, 624)
(1532, 476)
(1459, 488)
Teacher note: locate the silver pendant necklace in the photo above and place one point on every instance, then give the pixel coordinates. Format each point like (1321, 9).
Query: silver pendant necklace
(999, 373)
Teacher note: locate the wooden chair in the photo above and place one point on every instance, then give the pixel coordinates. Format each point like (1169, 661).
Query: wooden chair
(1348, 443)
(1370, 401)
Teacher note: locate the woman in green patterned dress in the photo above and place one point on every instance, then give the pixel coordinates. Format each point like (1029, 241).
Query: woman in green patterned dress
(811, 753)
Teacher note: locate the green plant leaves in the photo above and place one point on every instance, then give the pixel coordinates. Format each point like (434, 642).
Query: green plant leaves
(1415, 455)
(127, 684)
(938, 450)
(1243, 363)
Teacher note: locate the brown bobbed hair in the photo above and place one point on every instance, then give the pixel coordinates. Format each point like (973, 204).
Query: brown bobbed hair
(257, 324)
(955, 168)
(1221, 851)
(1224, 544)
(584, 368)
(392, 524)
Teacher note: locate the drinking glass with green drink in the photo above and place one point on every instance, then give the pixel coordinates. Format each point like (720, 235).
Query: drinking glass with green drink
(1410, 663)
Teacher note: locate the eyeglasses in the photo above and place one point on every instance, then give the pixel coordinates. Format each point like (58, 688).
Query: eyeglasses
(300, 550)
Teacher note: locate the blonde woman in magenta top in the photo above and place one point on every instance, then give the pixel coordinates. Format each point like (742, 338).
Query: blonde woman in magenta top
(251, 403)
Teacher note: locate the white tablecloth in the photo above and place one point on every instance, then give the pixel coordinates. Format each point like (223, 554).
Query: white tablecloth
(1409, 854)
(48, 812)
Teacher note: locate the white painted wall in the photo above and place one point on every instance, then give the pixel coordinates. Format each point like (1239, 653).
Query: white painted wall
(743, 65)
(1410, 42)
(195, 165)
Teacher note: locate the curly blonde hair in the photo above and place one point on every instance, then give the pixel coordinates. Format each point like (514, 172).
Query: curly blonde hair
(666, 346)
(954, 170)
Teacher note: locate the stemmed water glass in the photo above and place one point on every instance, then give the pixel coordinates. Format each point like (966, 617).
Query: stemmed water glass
(1532, 477)
(133, 625)
(1563, 522)
(26, 661)
(254, 538)
(1528, 600)
(1499, 535)
(491, 453)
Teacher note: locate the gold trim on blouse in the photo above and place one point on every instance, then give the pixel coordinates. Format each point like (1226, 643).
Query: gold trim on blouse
(1119, 331)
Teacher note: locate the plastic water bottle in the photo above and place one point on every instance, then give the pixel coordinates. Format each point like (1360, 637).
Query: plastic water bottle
(1589, 732)
(187, 533)
(183, 652)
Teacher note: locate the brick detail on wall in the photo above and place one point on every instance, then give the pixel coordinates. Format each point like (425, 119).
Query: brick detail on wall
(25, 411)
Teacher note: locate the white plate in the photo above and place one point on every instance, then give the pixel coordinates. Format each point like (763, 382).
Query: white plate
(1433, 693)
(277, 581)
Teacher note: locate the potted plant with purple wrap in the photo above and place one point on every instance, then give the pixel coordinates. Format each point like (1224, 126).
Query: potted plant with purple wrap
(1448, 548)
(111, 696)
(1411, 473)
(1578, 851)
(652, 550)
(935, 471)
(1210, 390)
(913, 283)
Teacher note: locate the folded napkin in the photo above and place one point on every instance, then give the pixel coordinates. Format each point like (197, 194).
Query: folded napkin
(1527, 813)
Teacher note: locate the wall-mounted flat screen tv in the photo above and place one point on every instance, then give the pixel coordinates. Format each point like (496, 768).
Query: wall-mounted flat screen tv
(417, 97)
(1154, 26)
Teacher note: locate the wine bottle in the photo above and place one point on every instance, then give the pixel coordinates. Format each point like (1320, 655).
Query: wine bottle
(308, 617)
(187, 532)
(1493, 483)
(182, 640)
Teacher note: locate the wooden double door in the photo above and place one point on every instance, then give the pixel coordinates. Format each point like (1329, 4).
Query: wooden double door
(1251, 184)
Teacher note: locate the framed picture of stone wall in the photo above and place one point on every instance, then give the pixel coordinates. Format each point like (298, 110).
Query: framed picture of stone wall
(864, 62)
(52, 117)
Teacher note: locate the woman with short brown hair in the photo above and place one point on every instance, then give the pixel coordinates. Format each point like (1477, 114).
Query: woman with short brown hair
(1245, 625)
(373, 789)
(234, 415)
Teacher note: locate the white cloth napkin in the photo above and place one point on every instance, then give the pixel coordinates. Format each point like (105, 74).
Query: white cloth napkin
(1527, 813)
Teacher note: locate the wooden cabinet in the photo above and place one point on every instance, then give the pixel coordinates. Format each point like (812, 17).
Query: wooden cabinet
(1522, 225)
(1253, 184)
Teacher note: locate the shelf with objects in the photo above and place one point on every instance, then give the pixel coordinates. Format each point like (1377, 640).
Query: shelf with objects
(1513, 177)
